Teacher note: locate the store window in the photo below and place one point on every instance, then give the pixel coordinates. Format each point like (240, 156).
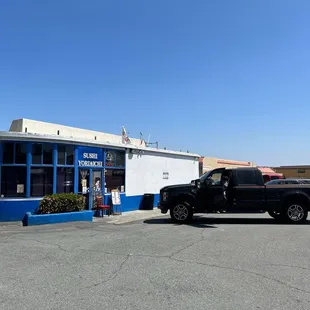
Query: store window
(114, 158)
(13, 181)
(47, 154)
(14, 153)
(65, 155)
(41, 181)
(37, 154)
(115, 179)
(65, 180)
(20, 153)
(8, 153)
(42, 154)
(119, 159)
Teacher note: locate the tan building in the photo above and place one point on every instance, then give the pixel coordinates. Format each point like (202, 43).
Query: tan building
(209, 163)
(300, 172)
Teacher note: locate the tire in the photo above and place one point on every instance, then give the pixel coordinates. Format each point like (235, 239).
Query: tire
(295, 212)
(181, 212)
(276, 215)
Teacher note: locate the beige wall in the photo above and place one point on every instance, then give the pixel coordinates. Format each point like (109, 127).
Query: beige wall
(302, 172)
(210, 163)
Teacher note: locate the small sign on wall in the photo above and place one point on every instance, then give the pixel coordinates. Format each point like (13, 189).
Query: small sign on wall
(116, 197)
(165, 175)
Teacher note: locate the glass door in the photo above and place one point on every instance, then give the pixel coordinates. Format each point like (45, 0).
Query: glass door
(84, 178)
(96, 185)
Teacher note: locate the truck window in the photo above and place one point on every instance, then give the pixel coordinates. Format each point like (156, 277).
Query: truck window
(216, 178)
(246, 177)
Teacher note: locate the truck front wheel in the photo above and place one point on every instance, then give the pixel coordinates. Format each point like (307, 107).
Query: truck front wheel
(181, 212)
(296, 212)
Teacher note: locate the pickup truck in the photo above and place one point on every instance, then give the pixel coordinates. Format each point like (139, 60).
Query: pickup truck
(232, 190)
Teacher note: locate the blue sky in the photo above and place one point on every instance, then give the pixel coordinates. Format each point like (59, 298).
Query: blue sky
(228, 79)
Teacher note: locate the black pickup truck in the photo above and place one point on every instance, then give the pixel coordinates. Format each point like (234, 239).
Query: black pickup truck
(231, 190)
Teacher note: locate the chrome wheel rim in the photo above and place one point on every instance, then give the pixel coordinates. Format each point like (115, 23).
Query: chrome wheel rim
(180, 212)
(295, 212)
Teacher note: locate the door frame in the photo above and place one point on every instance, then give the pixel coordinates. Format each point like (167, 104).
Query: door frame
(91, 185)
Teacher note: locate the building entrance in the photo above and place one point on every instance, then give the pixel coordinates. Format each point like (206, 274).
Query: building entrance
(90, 185)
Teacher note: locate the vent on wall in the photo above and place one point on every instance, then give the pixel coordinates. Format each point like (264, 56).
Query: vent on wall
(58, 132)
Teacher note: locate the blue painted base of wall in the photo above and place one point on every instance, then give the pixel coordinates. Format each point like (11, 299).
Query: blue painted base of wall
(16, 209)
(82, 216)
(130, 203)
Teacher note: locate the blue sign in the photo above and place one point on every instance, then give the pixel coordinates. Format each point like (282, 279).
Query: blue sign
(90, 157)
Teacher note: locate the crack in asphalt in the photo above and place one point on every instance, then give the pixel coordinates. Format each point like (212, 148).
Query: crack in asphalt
(241, 270)
(289, 266)
(188, 246)
(43, 242)
(171, 256)
(114, 275)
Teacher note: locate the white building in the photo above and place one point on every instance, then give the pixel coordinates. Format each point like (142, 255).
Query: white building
(38, 158)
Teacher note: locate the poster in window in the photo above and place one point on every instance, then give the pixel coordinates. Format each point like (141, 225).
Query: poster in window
(110, 159)
(84, 190)
(84, 183)
(20, 188)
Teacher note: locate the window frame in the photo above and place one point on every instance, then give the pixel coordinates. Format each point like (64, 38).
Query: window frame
(14, 153)
(74, 155)
(41, 164)
(43, 167)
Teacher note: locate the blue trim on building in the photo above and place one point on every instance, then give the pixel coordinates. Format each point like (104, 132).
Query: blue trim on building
(76, 170)
(1, 152)
(55, 158)
(28, 162)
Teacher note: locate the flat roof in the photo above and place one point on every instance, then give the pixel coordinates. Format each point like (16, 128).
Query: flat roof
(22, 136)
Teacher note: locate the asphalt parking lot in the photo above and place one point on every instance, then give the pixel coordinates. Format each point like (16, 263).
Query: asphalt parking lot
(217, 262)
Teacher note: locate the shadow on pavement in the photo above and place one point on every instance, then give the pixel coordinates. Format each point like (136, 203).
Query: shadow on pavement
(209, 222)
(194, 223)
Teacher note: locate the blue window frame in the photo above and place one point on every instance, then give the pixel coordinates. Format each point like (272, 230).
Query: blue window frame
(65, 155)
(42, 154)
(14, 153)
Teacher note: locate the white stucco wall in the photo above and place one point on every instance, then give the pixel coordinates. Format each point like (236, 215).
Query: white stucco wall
(144, 173)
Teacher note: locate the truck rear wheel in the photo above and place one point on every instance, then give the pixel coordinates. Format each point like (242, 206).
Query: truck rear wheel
(296, 212)
(181, 212)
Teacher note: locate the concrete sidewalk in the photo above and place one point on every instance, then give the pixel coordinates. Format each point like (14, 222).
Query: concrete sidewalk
(125, 217)
(130, 216)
